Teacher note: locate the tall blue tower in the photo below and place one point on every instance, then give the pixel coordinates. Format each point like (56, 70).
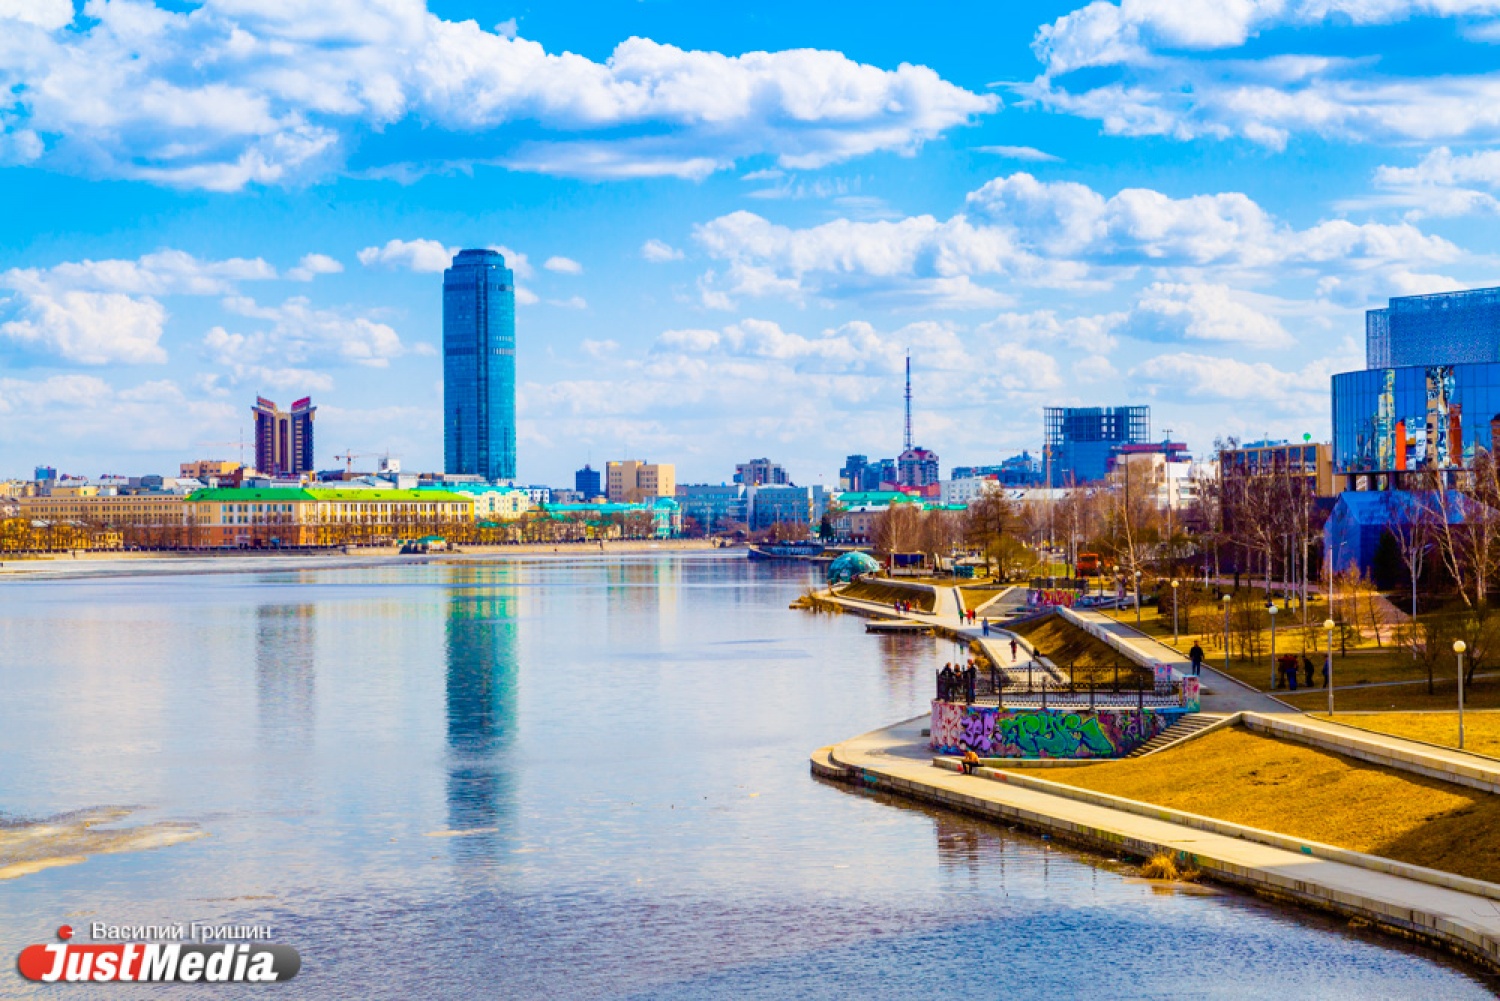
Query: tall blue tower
(479, 366)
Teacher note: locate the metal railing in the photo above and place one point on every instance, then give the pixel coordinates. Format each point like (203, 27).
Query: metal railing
(1033, 684)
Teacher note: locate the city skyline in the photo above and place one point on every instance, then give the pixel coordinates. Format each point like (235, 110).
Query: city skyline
(1041, 219)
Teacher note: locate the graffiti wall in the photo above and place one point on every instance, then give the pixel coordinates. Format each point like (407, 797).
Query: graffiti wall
(1037, 733)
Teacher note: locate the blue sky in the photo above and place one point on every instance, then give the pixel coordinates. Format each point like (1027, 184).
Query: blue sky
(728, 226)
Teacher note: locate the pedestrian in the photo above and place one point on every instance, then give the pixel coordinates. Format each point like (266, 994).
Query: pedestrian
(1326, 662)
(945, 683)
(971, 682)
(1196, 656)
(985, 625)
(1307, 669)
(1012, 648)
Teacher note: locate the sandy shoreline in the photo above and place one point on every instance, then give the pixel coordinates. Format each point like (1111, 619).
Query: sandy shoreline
(115, 564)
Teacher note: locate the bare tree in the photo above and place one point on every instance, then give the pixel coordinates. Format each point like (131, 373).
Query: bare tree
(989, 521)
(898, 529)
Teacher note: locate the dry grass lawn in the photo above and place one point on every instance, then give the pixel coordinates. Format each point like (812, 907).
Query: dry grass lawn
(1071, 648)
(1481, 729)
(1484, 693)
(1275, 785)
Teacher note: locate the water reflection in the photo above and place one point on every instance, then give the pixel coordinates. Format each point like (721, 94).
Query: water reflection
(286, 673)
(480, 655)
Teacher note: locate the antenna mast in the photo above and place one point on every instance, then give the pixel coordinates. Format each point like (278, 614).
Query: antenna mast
(908, 401)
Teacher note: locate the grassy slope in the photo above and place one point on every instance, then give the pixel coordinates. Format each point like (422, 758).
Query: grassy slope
(1481, 729)
(885, 594)
(1279, 786)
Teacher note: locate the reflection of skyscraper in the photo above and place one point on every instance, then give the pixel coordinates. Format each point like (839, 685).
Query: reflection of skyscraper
(481, 692)
(479, 366)
(285, 672)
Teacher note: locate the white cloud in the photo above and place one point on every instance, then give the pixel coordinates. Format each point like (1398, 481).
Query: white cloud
(1207, 378)
(1160, 89)
(63, 415)
(231, 93)
(572, 302)
(295, 333)
(414, 255)
(90, 328)
(313, 265)
(1172, 312)
(563, 265)
(1022, 231)
(1094, 334)
(48, 14)
(658, 252)
(1029, 153)
(1442, 184)
(1020, 368)
(1105, 34)
(165, 272)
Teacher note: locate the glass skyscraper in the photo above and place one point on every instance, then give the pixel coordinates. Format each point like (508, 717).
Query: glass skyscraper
(479, 366)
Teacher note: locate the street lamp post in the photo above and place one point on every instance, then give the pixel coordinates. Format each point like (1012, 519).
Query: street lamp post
(1137, 597)
(1328, 624)
(1459, 647)
(1226, 633)
(1174, 613)
(1271, 610)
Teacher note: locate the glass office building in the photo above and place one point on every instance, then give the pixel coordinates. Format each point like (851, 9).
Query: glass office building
(1430, 396)
(1081, 441)
(479, 366)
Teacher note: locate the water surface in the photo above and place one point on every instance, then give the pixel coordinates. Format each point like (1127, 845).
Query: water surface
(569, 777)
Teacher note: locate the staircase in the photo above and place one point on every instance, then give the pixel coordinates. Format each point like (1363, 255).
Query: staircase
(1185, 727)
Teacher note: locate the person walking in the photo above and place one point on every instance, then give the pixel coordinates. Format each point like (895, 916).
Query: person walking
(1013, 648)
(985, 625)
(1307, 669)
(1196, 656)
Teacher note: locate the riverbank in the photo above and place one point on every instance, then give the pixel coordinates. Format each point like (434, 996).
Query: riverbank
(896, 760)
(94, 564)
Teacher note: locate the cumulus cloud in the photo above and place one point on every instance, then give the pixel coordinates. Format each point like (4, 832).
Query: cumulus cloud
(1440, 184)
(1159, 88)
(413, 255)
(313, 265)
(288, 339)
(1029, 153)
(1094, 334)
(1208, 378)
(227, 94)
(1023, 231)
(165, 272)
(90, 328)
(65, 415)
(658, 252)
(1172, 312)
(563, 265)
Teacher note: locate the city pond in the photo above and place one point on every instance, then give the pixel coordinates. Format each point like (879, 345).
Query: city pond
(566, 776)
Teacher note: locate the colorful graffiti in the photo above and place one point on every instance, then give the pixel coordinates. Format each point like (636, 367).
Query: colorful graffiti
(1039, 733)
(1190, 694)
(1048, 597)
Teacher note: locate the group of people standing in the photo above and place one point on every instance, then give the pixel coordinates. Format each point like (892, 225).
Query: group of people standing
(902, 607)
(955, 682)
(1286, 668)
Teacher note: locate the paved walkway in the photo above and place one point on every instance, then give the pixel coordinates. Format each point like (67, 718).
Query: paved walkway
(897, 759)
(1221, 693)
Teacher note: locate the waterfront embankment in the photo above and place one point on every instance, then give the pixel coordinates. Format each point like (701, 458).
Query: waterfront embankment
(89, 564)
(1400, 899)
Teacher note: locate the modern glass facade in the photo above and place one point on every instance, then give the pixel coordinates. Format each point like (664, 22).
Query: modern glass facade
(1430, 394)
(1448, 328)
(1080, 441)
(1391, 421)
(479, 366)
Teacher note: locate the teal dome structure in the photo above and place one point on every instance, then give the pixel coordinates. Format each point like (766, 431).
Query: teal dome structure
(849, 566)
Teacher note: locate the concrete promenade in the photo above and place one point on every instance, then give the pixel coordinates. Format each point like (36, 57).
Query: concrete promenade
(897, 760)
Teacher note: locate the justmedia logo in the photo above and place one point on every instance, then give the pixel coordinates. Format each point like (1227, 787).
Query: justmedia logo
(157, 962)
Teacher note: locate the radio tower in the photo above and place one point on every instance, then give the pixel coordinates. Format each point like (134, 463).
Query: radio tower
(908, 401)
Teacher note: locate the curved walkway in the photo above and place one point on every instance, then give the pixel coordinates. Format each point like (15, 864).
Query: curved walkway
(896, 759)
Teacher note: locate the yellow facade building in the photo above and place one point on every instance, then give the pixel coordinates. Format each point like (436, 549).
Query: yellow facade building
(631, 481)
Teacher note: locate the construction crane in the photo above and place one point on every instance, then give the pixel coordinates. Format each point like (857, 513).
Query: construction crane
(226, 444)
(348, 457)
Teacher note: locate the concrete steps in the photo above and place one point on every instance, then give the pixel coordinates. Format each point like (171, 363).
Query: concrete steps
(1181, 730)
